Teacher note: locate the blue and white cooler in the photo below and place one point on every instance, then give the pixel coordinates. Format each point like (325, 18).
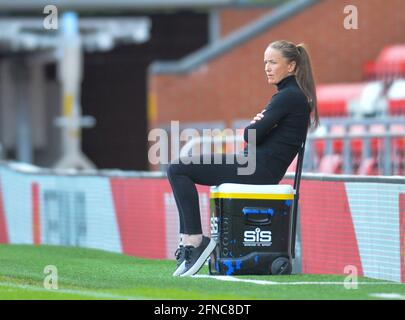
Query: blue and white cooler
(252, 225)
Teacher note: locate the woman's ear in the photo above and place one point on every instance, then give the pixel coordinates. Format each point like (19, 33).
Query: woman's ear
(291, 66)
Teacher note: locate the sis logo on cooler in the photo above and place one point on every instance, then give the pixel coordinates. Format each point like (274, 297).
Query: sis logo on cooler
(257, 238)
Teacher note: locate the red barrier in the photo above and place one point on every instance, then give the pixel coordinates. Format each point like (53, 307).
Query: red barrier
(327, 233)
(36, 219)
(142, 219)
(140, 214)
(402, 233)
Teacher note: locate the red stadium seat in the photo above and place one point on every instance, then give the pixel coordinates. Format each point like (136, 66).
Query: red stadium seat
(319, 147)
(356, 145)
(337, 144)
(389, 64)
(396, 107)
(369, 69)
(396, 98)
(331, 163)
(368, 167)
(398, 143)
(376, 144)
(398, 149)
(319, 144)
(333, 99)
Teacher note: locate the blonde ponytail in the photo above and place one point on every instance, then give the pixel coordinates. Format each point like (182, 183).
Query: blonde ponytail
(305, 79)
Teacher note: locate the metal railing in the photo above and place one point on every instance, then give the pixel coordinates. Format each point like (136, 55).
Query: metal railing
(384, 156)
(384, 147)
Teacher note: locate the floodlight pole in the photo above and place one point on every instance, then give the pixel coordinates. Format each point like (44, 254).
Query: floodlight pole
(70, 70)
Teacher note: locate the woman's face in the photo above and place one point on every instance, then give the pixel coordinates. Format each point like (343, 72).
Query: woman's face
(276, 66)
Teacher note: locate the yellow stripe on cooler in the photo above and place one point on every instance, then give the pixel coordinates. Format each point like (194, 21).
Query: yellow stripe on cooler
(223, 195)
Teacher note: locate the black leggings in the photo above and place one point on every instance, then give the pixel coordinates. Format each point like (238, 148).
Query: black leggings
(183, 177)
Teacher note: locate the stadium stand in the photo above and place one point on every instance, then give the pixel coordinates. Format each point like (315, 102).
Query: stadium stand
(333, 99)
(390, 64)
(365, 115)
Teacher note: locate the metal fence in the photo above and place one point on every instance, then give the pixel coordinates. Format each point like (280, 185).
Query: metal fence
(339, 145)
(356, 144)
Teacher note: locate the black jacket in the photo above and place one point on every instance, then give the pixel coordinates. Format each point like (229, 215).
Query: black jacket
(280, 133)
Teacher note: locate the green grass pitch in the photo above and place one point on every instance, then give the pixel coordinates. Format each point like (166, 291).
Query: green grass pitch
(94, 274)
